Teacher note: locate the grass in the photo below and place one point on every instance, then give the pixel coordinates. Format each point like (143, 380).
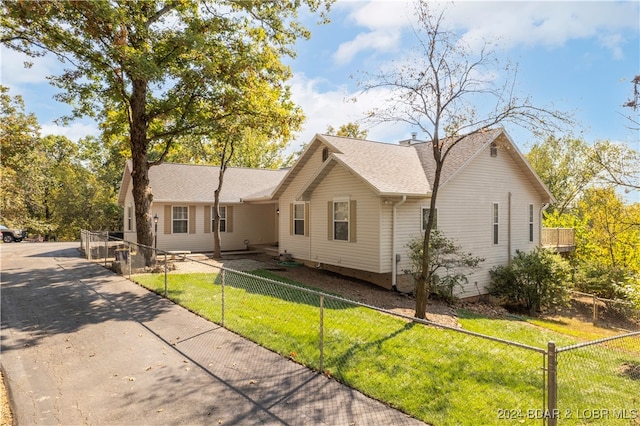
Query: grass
(439, 376)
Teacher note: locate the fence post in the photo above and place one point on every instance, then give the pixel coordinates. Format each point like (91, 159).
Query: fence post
(89, 246)
(222, 301)
(130, 260)
(321, 367)
(595, 309)
(106, 249)
(552, 383)
(165, 274)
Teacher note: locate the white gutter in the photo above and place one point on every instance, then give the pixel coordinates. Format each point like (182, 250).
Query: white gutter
(394, 263)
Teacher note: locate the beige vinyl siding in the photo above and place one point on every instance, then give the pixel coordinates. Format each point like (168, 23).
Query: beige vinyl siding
(409, 224)
(364, 253)
(249, 222)
(297, 245)
(465, 213)
(386, 235)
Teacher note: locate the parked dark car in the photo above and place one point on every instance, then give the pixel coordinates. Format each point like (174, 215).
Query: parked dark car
(11, 235)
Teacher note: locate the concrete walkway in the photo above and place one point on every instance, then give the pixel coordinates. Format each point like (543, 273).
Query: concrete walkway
(81, 345)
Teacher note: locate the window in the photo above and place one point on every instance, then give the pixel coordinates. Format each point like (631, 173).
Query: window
(493, 150)
(530, 223)
(180, 219)
(223, 218)
(130, 218)
(222, 211)
(425, 218)
(298, 219)
(496, 222)
(341, 220)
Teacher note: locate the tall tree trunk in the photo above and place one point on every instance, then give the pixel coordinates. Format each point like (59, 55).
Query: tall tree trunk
(217, 249)
(424, 280)
(142, 196)
(225, 157)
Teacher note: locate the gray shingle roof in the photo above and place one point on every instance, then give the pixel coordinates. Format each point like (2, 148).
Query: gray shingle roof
(197, 183)
(406, 169)
(389, 168)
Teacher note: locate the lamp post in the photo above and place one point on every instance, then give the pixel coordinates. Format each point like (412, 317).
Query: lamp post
(155, 238)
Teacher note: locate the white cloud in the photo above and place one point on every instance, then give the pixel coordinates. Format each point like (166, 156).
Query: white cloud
(335, 107)
(545, 23)
(385, 20)
(74, 132)
(508, 24)
(377, 40)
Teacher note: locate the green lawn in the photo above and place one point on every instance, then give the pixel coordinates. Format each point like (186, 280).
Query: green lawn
(440, 376)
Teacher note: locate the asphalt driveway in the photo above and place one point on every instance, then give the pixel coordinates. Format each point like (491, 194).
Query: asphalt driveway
(81, 345)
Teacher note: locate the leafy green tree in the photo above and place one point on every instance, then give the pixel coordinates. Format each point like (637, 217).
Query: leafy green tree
(614, 228)
(565, 165)
(607, 235)
(349, 130)
(535, 280)
(171, 69)
(448, 267)
(20, 162)
(440, 92)
(256, 151)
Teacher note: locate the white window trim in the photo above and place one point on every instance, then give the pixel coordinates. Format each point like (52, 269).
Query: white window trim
(294, 219)
(531, 222)
(130, 218)
(223, 220)
(173, 219)
(495, 228)
(333, 218)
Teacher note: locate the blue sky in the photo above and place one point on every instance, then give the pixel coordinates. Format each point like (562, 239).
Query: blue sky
(577, 56)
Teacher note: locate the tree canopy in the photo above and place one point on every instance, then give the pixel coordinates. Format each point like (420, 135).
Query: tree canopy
(170, 69)
(52, 186)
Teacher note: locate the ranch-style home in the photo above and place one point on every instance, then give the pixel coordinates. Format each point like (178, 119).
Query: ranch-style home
(351, 205)
(183, 196)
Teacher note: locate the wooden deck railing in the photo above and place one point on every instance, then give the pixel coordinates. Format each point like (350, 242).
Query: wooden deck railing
(563, 239)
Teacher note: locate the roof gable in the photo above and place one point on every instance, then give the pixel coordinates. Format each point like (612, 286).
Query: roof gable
(406, 169)
(388, 169)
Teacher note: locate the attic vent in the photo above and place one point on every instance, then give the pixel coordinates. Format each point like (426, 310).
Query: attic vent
(494, 150)
(325, 154)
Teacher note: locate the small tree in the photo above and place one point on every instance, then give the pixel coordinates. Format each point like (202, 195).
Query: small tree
(448, 264)
(535, 280)
(448, 92)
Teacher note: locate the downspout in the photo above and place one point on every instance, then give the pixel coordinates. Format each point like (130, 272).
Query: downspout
(394, 260)
(509, 229)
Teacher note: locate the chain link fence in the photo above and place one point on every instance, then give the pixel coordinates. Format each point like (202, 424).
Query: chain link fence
(441, 375)
(603, 309)
(598, 382)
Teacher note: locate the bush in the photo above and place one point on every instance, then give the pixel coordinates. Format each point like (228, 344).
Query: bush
(535, 280)
(608, 282)
(448, 264)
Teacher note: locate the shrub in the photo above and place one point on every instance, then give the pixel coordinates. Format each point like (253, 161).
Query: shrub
(535, 280)
(448, 264)
(608, 282)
